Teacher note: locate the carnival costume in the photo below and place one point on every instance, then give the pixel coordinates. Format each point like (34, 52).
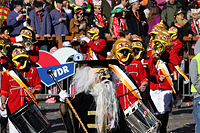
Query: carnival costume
(10, 82)
(122, 52)
(161, 92)
(95, 47)
(95, 102)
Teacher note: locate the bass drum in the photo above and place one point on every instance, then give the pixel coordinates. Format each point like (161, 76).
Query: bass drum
(140, 119)
(29, 119)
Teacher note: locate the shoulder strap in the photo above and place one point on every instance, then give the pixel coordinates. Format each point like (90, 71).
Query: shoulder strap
(21, 77)
(129, 75)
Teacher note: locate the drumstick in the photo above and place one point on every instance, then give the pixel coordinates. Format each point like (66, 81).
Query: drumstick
(50, 72)
(168, 75)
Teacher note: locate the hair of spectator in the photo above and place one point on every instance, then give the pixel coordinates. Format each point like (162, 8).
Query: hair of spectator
(153, 12)
(124, 33)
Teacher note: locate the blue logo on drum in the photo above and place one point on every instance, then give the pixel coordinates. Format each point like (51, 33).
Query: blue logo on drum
(78, 57)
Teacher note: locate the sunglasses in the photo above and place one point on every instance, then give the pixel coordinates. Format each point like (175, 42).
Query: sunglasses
(99, 8)
(81, 14)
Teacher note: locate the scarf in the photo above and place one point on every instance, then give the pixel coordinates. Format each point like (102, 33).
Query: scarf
(59, 11)
(99, 17)
(117, 24)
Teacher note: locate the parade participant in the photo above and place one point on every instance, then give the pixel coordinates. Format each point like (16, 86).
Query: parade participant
(28, 35)
(139, 53)
(20, 74)
(98, 19)
(117, 23)
(95, 101)
(128, 66)
(176, 34)
(161, 93)
(95, 47)
(59, 17)
(157, 28)
(194, 71)
(41, 22)
(16, 18)
(78, 24)
(4, 40)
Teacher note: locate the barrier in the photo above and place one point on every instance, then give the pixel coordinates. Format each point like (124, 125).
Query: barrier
(183, 88)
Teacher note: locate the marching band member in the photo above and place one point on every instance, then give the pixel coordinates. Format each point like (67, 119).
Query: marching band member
(13, 81)
(137, 76)
(4, 40)
(176, 30)
(95, 47)
(155, 30)
(161, 92)
(139, 53)
(95, 101)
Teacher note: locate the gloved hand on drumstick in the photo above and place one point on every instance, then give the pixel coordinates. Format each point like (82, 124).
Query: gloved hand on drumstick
(63, 95)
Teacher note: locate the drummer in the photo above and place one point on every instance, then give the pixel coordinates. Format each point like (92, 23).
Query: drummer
(20, 74)
(128, 92)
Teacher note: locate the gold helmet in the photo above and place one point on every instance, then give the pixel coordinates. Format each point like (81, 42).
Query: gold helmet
(162, 42)
(4, 42)
(121, 49)
(18, 55)
(157, 28)
(28, 32)
(93, 33)
(137, 47)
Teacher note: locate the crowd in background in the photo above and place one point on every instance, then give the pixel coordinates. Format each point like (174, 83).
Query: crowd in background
(139, 19)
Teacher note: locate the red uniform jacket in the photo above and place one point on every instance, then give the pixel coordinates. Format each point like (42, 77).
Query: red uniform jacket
(152, 71)
(99, 48)
(178, 48)
(14, 92)
(138, 72)
(169, 56)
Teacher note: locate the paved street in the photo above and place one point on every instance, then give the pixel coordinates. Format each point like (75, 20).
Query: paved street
(181, 119)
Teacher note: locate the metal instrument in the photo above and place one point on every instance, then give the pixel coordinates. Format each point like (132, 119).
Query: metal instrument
(140, 119)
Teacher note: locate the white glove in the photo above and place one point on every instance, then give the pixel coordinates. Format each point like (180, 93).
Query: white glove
(63, 94)
(86, 39)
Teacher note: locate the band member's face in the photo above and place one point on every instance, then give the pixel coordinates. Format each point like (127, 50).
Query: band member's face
(20, 57)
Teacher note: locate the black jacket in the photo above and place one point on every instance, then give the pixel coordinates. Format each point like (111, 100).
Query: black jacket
(135, 25)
